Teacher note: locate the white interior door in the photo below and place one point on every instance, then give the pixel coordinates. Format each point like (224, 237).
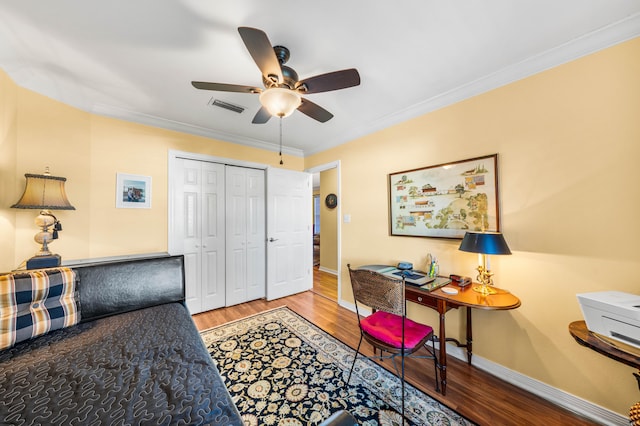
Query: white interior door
(213, 236)
(187, 229)
(256, 234)
(245, 234)
(236, 282)
(289, 233)
(198, 230)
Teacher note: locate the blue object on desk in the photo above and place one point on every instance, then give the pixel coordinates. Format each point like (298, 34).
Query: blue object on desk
(408, 275)
(405, 265)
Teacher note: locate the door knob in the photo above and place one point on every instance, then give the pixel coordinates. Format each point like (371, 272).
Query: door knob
(272, 239)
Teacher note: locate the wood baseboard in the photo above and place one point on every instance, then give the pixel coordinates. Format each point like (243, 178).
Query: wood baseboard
(328, 271)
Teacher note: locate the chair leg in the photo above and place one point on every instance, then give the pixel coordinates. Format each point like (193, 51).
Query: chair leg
(435, 361)
(402, 418)
(395, 364)
(355, 357)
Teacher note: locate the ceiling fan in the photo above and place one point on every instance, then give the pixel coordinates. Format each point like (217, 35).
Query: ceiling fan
(282, 93)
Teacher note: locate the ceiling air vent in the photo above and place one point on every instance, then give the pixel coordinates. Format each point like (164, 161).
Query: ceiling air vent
(226, 105)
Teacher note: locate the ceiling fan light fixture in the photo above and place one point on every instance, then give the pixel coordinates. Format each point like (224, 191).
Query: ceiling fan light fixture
(280, 102)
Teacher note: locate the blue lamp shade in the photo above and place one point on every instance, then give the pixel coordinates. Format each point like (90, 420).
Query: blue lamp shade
(484, 243)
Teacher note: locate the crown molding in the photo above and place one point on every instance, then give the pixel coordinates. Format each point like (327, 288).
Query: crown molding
(602, 38)
(163, 123)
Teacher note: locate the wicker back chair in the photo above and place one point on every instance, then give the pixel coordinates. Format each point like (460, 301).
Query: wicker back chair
(388, 329)
(377, 291)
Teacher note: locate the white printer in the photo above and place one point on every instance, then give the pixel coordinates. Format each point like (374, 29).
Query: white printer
(612, 314)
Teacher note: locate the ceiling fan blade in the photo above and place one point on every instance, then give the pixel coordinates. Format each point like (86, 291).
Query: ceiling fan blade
(262, 116)
(330, 81)
(261, 51)
(222, 87)
(314, 111)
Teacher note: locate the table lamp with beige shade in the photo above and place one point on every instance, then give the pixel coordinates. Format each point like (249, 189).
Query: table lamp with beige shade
(45, 193)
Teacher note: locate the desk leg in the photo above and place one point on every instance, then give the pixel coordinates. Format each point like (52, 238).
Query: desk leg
(469, 337)
(442, 309)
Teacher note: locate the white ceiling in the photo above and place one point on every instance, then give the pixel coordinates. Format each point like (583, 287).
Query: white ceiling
(135, 59)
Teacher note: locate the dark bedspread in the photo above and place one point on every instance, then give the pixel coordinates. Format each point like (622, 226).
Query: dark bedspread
(143, 367)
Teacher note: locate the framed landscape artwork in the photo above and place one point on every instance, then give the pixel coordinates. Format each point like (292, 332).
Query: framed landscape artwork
(133, 191)
(445, 200)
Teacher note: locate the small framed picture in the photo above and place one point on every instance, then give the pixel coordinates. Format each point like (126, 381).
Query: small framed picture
(133, 191)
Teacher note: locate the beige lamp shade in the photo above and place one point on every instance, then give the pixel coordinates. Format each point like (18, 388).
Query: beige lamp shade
(280, 102)
(44, 192)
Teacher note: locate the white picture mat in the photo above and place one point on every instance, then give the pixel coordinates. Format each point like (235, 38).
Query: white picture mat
(133, 191)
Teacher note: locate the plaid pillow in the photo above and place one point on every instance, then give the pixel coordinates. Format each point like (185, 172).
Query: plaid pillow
(35, 302)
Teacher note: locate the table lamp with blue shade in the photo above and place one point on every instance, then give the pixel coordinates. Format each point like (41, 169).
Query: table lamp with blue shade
(484, 243)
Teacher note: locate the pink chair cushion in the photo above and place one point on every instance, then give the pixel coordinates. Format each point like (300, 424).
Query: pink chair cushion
(387, 328)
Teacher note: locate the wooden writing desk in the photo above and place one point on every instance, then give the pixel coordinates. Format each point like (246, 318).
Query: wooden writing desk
(466, 297)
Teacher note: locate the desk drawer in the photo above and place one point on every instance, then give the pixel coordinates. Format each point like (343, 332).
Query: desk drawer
(420, 298)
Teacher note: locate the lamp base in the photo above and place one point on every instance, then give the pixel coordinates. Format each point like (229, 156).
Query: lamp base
(484, 289)
(48, 261)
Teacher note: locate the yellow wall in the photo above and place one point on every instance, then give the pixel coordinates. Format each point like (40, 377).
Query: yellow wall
(315, 193)
(568, 141)
(328, 222)
(8, 137)
(89, 150)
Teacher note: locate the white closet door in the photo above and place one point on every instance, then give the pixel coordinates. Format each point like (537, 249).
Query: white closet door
(199, 230)
(256, 236)
(236, 218)
(245, 254)
(213, 236)
(187, 228)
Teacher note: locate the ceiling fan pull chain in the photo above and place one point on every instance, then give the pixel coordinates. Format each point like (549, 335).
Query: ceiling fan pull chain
(281, 141)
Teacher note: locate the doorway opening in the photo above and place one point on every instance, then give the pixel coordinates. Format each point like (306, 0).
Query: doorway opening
(316, 223)
(326, 230)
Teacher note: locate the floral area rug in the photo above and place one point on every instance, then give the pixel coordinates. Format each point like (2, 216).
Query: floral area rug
(282, 370)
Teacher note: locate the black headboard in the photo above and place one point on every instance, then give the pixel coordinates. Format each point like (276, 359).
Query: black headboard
(114, 287)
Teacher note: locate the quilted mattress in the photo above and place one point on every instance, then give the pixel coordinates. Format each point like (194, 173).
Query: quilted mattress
(143, 367)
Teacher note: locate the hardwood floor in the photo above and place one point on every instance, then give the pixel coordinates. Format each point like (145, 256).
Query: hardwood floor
(325, 284)
(477, 395)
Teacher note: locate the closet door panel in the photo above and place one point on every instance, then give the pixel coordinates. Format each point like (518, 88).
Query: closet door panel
(236, 214)
(188, 226)
(213, 236)
(256, 234)
(192, 275)
(245, 197)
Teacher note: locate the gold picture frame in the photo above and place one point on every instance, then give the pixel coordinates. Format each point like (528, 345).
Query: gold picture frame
(445, 200)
